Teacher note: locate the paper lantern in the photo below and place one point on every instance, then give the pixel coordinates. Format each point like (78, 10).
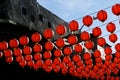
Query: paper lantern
(78, 48)
(117, 54)
(76, 58)
(108, 50)
(96, 31)
(36, 37)
(85, 36)
(116, 9)
(72, 39)
(3, 45)
(30, 63)
(22, 63)
(67, 51)
(35, 67)
(37, 56)
(101, 41)
(17, 52)
(66, 59)
(37, 48)
(56, 69)
(39, 63)
(9, 59)
(73, 25)
(48, 62)
(8, 53)
(27, 50)
(102, 15)
(28, 57)
(88, 62)
(57, 53)
(48, 33)
(108, 57)
(87, 20)
(13, 43)
(86, 56)
(19, 58)
(111, 27)
(89, 45)
(97, 53)
(98, 60)
(113, 37)
(60, 43)
(49, 46)
(79, 63)
(60, 30)
(70, 64)
(117, 47)
(57, 61)
(47, 54)
(24, 40)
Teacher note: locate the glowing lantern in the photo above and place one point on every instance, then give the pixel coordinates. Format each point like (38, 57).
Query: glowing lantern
(87, 20)
(27, 50)
(28, 57)
(60, 30)
(76, 58)
(86, 56)
(78, 48)
(47, 54)
(113, 37)
(73, 25)
(57, 61)
(102, 15)
(37, 56)
(48, 33)
(89, 44)
(66, 59)
(72, 39)
(107, 50)
(36, 37)
(37, 48)
(49, 46)
(48, 69)
(48, 62)
(24, 40)
(101, 41)
(35, 66)
(107, 63)
(30, 63)
(56, 69)
(85, 36)
(17, 52)
(96, 31)
(117, 47)
(88, 62)
(60, 43)
(79, 63)
(1, 54)
(9, 59)
(111, 27)
(67, 51)
(117, 54)
(8, 53)
(116, 9)
(108, 57)
(39, 63)
(70, 64)
(3, 45)
(13, 43)
(97, 53)
(19, 58)
(22, 63)
(57, 53)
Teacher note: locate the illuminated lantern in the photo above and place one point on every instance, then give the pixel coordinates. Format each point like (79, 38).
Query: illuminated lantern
(1, 54)
(22, 63)
(48, 33)
(27, 50)
(97, 53)
(24, 40)
(48, 69)
(9, 59)
(85, 36)
(73, 25)
(56, 69)
(66, 59)
(37, 56)
(17, 52)
(30, 63)
(60, 43)
(107, 63)
(111, 27)
(13, 43)
(116, 9)
(79, 63)
(88, 62)
(86, 56)
(57, 53)
(36, 37)
(35, 66)
(57, 61)
(89, 44)
(28, 57)
(101, 41)
(19, 58)
(113, 37)
(8, 53)
(117, 54)
(96, 31)
(47, 54)
(37, 48)
(67, 51)
(70, 64)
(78, 48)
(87, 20)
(60, 30)
(48, 62)
(108, 57)
(116, 60)
(72, 39)
(117, 47)
(3, 45)
(39, 63)
(49, 46)
(102, 15)
(62, 65)
(76, 58)
(108, 50)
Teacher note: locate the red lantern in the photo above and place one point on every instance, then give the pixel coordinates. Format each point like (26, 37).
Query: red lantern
(111, 27)
(27, 50)
(19, 58)
(86, 56)
(30, 63)
(22, 63)
(101, 41)
(89, 44)
(1, 54)
(78, 48)
(117, 54)
(49, 46)
(57, 61)
(85, 36)
(48, 33)
(35, 66)
(79, 63)
(36, 37)
(13, 43)
(107, 63)
(97, 53)
(67, 51)
(47, 54)
(37, 56)
(70, 64)
(87, 20)
(113, 37)
(60, 43)
(28, 57)
(24, 40)
(66, 59)
(56, 69)
(88, 62)
(8, 53)
(37, 48)
(116, 9)
(98, 60)
(76, 58)
(96, 31)
(60, 30)
(17, 52)
(48, 62)
(3, 45)
(39, 63)
(108, 57)
(108, 50)
(102, 15)
(117, 47)
(48, 69)
(57, 53)
(72, 39)
(9, 59)
(73, 25)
